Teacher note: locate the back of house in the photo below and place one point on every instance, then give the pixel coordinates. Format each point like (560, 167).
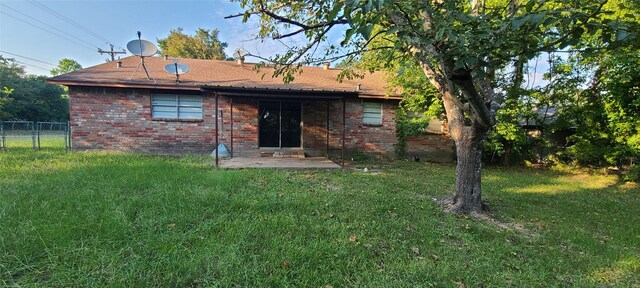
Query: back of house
(114, 106)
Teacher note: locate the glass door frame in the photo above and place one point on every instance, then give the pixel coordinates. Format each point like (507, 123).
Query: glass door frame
(301, 124)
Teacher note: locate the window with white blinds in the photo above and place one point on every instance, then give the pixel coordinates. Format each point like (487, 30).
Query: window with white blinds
(372, 113)
(176, 106)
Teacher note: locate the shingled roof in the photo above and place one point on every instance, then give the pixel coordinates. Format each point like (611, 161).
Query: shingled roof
(217, 73)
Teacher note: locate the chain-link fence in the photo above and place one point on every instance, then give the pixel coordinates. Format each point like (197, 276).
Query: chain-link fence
(34, 135)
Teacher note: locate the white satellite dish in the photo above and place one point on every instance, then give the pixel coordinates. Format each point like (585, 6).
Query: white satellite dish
(142, 48)
(176, 69)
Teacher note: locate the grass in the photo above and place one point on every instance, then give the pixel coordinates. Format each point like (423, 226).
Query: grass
(105, 219)
(22, 141)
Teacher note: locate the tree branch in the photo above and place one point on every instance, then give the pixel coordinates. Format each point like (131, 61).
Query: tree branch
(329, 59)
(566, 35)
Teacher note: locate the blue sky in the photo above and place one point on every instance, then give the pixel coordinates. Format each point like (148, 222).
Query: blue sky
(116, 21)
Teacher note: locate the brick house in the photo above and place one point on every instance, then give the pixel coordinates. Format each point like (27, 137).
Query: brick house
(115, 107)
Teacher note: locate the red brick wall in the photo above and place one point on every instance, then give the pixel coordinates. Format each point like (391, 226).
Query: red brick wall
(430, 147)
(314, 129)
(376, 139)
(245, 126)
(120, 119)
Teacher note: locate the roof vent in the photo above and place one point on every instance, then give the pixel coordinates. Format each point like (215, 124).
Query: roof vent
(239, 55)
(325, 65)
(119, 64)
(358, 87)
(166, 57)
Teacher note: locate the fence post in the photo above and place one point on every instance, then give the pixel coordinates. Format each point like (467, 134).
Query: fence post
(2, 141)
(39, 131)
(33, 135)
(68, 135)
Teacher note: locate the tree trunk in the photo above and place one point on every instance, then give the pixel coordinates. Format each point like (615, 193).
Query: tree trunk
(468, 138)
(506, 157)
(468, 195)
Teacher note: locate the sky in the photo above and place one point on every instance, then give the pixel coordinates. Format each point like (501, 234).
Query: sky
(31, 29)
(31, 33)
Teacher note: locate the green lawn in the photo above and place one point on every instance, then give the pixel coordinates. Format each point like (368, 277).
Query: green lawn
(25, 141)
(105, 219)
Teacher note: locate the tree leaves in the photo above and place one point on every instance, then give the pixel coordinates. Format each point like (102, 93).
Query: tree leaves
(203, 45)
(31, 97)
(65, 65)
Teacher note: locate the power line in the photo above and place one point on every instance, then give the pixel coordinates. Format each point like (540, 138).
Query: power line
(64, 18)
(111, 52)
(45, 69)
(48, 25)
(25, 57)
(48, 31)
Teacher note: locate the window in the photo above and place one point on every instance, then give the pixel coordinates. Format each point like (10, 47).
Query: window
(372, 113)
(416, 115)
(176, 106)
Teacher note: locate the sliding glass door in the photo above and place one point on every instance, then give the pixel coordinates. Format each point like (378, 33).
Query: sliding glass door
(279, 124)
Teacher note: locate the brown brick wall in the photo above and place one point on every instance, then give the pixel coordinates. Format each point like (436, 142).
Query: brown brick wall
(120, 119)
(376, 139)
(245, 127)
(430, 147)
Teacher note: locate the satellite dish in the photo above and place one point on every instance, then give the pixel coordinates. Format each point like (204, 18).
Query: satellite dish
(142, 48)
(176, 69)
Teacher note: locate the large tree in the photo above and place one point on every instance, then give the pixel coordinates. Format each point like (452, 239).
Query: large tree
(65, 65)
(459, 46)
(29, 97)
(599, 98)
(203, 45)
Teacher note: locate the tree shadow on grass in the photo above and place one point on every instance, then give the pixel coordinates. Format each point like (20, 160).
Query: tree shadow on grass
(88, 219)
(593, 218)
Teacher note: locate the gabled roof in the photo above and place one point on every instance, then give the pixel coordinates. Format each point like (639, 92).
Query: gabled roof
(223, 74)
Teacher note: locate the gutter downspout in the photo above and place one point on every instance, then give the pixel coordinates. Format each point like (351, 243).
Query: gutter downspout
(344, 126)
(231, 104)
(327, 148)
(217, 158)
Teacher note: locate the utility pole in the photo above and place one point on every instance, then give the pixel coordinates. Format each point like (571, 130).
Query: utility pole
(111, 53)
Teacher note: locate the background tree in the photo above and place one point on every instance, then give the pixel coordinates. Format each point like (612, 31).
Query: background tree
(7, 70)
(203, 45)
(420, 100)
(459, 46)
(4, 99)
(599, 97)
(29, 97)
(65, 65)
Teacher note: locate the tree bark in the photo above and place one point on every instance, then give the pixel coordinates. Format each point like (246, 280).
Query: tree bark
(468, 195)
(468, 139)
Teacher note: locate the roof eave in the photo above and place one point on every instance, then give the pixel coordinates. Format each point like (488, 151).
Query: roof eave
(122, 85)
(378, 96)
(261, 91)
(228, 90)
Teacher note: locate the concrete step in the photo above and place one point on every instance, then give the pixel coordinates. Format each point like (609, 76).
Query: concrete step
(283, 154)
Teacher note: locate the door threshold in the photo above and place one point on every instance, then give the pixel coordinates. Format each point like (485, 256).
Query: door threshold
(283, 148)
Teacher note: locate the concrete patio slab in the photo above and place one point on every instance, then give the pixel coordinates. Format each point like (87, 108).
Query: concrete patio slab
(270, 162)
